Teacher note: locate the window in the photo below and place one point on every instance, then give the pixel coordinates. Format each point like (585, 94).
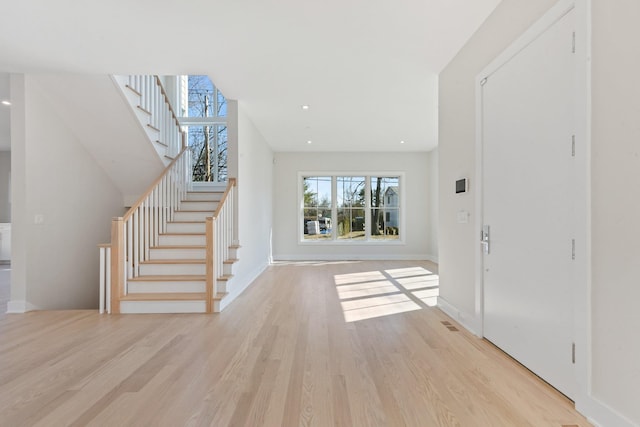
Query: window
(350, 208)
(204, 110)
(316, 222)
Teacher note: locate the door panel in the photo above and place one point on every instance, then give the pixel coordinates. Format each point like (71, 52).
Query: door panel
(527, 127)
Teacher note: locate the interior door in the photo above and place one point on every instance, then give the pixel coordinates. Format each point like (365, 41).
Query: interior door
(527, 128)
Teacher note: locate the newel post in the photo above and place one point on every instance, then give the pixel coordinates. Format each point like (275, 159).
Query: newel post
(210, 269)
(117, 263)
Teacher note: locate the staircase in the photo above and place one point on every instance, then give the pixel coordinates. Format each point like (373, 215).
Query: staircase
(173, 279)
(174, 250)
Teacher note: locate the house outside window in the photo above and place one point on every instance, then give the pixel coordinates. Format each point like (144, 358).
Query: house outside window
(356, 208)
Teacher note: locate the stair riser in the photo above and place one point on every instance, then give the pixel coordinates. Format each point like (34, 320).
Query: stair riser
(217, 187)
(222, 286)
(175, 240)
(171, 269)
(207, 197)
(227, 269)
(177, 254)
(199, 206)
(166, 287)
(185, 227)
(192, 216)
(233, 253)
(163, 307)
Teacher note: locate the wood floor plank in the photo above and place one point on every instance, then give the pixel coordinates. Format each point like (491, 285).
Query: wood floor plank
(308, 344)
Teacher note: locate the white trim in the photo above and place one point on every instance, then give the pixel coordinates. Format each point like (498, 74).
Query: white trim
(585, 403)
(601, 415)
(554, 14)
(469, 322)
(238, 289)
(18, 307)
(354, 257)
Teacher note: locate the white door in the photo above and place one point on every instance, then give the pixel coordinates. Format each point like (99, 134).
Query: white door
(527, 172)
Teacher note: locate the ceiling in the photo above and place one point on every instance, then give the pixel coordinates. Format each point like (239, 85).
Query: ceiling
(367, 69)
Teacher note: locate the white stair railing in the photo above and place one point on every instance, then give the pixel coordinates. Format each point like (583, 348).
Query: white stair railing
(155, 102)
(139, 229)
(220, 238)
(105, 278)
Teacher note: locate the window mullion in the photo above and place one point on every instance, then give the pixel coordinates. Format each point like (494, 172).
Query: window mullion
(367, 210)
(334, 208)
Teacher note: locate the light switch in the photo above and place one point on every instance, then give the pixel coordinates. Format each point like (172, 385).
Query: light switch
(463, 217)
(38, 219)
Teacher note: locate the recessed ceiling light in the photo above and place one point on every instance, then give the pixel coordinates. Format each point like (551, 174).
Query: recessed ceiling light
(5, 102)
(305, 107)
(401, 142)
(309, 142)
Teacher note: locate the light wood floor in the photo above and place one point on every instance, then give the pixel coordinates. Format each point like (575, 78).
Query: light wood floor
(309, 344)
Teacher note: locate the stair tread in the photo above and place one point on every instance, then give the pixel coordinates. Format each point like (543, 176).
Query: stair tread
(220, 295)
(179, 247)
(230, 261)
(144, 110)
(173, 261)
(206, 192)
(185, 222)
(226, 277)
(177, 296)
(169, 278)
(133, 90)
(182, 234)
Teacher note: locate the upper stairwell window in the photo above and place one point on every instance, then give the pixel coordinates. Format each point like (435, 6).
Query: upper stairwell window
(204, 110)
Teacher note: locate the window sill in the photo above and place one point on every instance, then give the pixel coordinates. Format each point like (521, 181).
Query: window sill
(351, 243)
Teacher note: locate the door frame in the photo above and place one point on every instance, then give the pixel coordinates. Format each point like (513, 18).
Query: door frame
(582, 180)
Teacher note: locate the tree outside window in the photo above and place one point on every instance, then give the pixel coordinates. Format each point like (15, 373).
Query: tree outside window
(208, 142)
(351, 208)
(317, 219)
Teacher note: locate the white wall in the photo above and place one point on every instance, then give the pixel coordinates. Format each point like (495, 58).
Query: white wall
(418, 240)
(54, 264)
(251, 161)
(5, 171)
(615, 180)
(615, 163)
(458, 242)
(432, 167)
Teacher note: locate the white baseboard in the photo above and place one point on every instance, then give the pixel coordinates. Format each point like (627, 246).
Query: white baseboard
(468, 321)
(17, 307)
(354, 257)
(601, 415)
(239, 286)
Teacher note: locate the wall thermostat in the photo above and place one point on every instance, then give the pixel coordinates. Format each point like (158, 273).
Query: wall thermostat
(462, 185)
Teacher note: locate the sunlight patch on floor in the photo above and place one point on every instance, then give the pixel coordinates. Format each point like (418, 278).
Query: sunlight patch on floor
(407, 272)
(363, 277)
(372, 294)
(359, 291)
(419, 282)
(372, 311)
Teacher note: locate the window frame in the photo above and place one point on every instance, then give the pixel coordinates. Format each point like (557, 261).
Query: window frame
(335, 240)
